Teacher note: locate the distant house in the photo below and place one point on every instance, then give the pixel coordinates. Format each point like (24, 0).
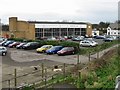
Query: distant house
(113, 29)
(95, 32)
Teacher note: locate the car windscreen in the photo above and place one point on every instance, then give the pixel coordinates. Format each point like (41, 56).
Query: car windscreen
(54, 48)
(44, 46)
(65, 48)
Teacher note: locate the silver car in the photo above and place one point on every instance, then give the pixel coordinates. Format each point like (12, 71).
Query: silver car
(88, 43)
(3, 51)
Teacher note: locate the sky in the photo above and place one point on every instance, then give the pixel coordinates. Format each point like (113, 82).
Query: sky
(92, 11)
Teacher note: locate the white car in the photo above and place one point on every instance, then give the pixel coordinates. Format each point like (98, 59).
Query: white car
(3, 51)
(88, 43)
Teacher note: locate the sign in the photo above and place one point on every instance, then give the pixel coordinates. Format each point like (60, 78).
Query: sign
(60, 26)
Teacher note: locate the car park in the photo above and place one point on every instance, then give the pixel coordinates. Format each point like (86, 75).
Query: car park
(14, 44)
(88, 43)
(44, 48)
(3, 50)
(66, 51)
(20, 46)
(54, 49)
(31, 45)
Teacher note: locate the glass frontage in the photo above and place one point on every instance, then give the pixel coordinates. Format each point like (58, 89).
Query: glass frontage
(55, 32)
(83, 31)
(71, 31)
(38, 32)
(63, 32)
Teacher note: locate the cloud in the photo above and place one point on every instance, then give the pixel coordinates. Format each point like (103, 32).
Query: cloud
(74, 10)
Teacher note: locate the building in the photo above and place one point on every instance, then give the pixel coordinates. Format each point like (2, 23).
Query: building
(38, 29)
(113, 29)
(95, 32)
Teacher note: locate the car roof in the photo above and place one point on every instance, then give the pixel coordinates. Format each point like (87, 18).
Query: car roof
(58, 46)
(2, 47)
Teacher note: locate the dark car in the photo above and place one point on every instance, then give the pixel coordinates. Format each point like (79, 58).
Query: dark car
(14, 44)
(66, 51)
(7, 43)
(54, 49)
(31, 45)
(108, 39)
(20, 46)
(99, 37)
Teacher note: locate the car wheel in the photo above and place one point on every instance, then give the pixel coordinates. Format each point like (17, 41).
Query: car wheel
(73, 52)
(43, 51)
(90, 45)
(3, 54)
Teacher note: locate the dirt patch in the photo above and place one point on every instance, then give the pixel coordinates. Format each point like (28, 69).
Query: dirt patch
(103, 60)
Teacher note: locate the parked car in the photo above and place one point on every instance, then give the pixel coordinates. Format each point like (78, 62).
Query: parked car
(3, 50)
(66, 51)
(99, 37)
(7, 43)
(31, 45)
(61, 38)
(20, 46)
(2, 39)
(79, 38)
(88, 43)
(14, 44)
(43, 48)
(51, 38)
(54, 49)
(2, 43)
(108, 39)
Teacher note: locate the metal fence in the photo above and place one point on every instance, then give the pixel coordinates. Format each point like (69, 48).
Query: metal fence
(37, 75)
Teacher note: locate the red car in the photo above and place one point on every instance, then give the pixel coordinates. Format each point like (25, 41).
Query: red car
(66, 51)
(14, 44)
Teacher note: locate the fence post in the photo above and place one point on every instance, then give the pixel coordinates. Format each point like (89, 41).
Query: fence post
(79, 77)
(89, 56)
(45, 77)
(78, 59)
(9, 84)
(33, 86)
(98, 55)
(64, 69)
(42, 71)
(15, 79)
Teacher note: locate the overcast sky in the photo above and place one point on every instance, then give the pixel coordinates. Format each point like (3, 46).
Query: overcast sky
(92, 11)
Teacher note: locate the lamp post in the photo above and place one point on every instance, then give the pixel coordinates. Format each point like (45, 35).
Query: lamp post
(0, 28)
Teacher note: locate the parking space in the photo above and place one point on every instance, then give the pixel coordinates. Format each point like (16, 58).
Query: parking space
(27, 56)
